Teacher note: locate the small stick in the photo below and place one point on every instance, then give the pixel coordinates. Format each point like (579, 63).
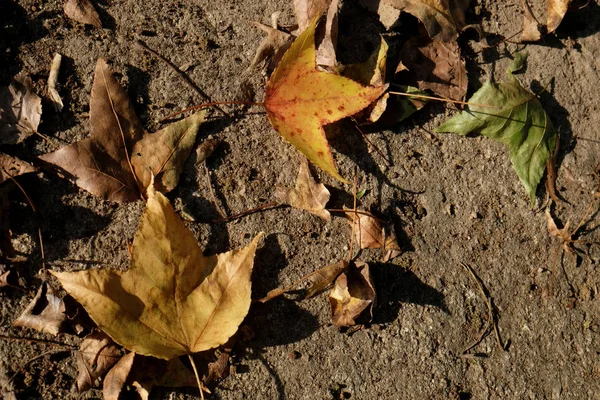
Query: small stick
(201, 387)
(371, 143)
(211, 104)
(466, 103)
(52, 80)
(267, 206)
(179, 72)
(490, 306)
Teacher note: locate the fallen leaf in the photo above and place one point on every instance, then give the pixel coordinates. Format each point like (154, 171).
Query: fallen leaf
(352, 293)
(82, 11)
(371, 72)
(272, 45)
(13, 167)
(370, 234)
(519, 122)
(553, 229)
(173, 300)
(531, 27)
(97, 354)
(326, 52)
(323, 277)
(436, 66)
(307, 195)
(20, 111)
(443, 19)
(219, 368)
(405, 106)
(117, 377)
(300, 99)
(206, 148)
(307, 10)
(556, 12)
(45, 313)
(388, 15)
(119, 159)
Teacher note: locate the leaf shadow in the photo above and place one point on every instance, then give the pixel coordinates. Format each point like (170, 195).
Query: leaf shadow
(396, 285)
(137, 90)
(106, 19)
(279, 321)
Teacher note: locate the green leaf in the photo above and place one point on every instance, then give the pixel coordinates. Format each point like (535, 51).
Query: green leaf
(520, 122)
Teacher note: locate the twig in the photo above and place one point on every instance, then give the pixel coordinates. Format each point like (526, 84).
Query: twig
(466, 103)
(353, 224)
(488, 299)
(371, 143)
(201, 387)
(179, 72)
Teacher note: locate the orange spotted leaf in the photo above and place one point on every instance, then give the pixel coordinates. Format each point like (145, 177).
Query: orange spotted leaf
(301, 99)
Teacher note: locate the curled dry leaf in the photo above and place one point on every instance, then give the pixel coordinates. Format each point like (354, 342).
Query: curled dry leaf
(518, 121)
(273, 45)
(301, 99)
(117, 377)
(52, 81)
(173, 300)
(370, 234)
(97, 354)
(554, 230)
(307, 10)
(4, 275)
(323, 277)
(20, 111)
(443, 19)
(13, 167)
(436, 66)
(119, 159)
(82, 11)
(531, 28)
(352, 293)
(307, 195)
(556, 12)
(45, 313)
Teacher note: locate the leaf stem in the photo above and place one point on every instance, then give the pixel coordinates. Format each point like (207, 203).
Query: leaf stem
(419, 96)
(200, 385)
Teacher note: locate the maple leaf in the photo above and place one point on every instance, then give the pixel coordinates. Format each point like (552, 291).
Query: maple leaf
(119, 159)
(20, 111)
(173, 300)
(45, 313)
(97, 354)
(519, 122)
(307, 195)
(301, 99)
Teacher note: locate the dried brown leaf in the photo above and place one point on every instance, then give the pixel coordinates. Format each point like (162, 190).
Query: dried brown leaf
(4, 275)
(97, 354)
(307, 195)
(272, 46)
(307, 10)
(118, 160)
(117, 377)
(370, 234)
(219, 368)
(45, 313)
(554, 230)
(206, 148)
(326, 52)
(20, 111)
(556, 12)
(323, 277)
(436, 66)
(82, 11)
(12, 167)
(352, 293)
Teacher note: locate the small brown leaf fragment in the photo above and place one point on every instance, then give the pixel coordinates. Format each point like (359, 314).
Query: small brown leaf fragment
(436, 66)
(97, 354)
(20, 111)
(272, 294)
(219, 368)
(556, 12)
(353, 292)
(272, 46)
(323, 277)
(531, 27)
(553, 229)
(12, 166)
(326, 52)
(206, 148)
(307, 10)
(307, 195)
(4, 274)
(117, 377)
(45, 313)
(82, 11)
(370, 234)
(52, 81)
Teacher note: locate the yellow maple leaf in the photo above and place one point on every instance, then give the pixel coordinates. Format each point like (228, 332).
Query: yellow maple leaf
(301, 99)
(173, 300)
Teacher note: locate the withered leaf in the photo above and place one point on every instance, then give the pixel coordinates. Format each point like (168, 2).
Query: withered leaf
(531, 27)
(554, 230)
(273, 45)
(556, 12)
(20, 111)
(118, 160)
(307, 10)
(117, 377)
(82, 11)
(173, 300)
(12, 167)
(370, 234)
(97, 354)
(45, 313)
(323, 277)
(352, 293)
(436, 66)
(326, 52)
(307, 195)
